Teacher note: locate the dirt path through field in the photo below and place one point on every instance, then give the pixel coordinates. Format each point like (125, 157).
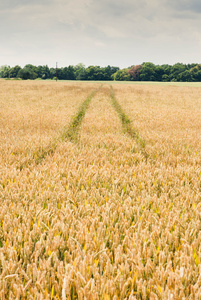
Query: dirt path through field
(101, 124)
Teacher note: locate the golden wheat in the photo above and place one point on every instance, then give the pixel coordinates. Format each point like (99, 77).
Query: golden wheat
(97, 218)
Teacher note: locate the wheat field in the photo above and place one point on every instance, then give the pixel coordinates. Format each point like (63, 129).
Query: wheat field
(100, 189)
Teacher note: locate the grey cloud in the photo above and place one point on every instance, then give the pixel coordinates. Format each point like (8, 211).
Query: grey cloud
(195, 6)
(115, 8)
(94, 30)
(187, 6)
(17, 3)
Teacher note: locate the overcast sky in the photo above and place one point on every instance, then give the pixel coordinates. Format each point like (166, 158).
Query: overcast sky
(99, 32)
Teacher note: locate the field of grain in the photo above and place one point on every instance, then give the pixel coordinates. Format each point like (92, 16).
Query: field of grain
(100, 189)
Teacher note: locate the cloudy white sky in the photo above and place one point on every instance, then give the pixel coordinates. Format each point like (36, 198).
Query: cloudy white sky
(99, 32)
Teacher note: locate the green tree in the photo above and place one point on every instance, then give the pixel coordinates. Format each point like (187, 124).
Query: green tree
(197, 77)
(94, 73)
(80, 73)
(13, 72)
(185, 76)
(121, 75)
(41, 71)
(52, 73)
(148, 72)
(68, 73)
(109, 71)
(27, 73)
(159, 72)
(165, 78)
(176, 70)
(4, 71)
(195, 73)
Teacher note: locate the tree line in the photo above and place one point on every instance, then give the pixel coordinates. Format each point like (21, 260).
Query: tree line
(147, 71)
